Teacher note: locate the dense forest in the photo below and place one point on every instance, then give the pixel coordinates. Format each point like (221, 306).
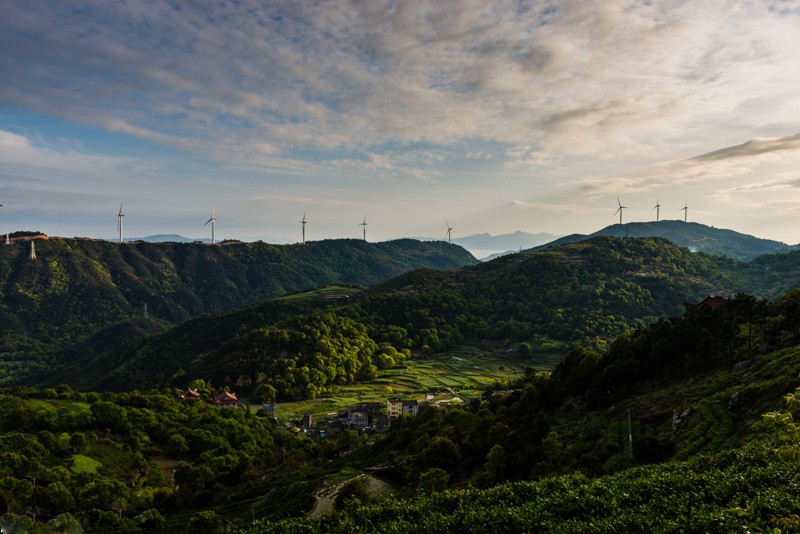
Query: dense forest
(696, 388)
(76, 286)
(583, 293)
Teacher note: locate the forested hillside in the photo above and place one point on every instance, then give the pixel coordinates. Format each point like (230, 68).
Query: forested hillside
(680, 426)
(554, 453)
(545, 301)
(75, 286)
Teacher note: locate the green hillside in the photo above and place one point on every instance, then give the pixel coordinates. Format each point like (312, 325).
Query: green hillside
(694, 236)
(712, 444)
(545, 301)
(75, 286)
(550, 455)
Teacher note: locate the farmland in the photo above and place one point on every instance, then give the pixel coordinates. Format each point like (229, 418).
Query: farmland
(465, 372)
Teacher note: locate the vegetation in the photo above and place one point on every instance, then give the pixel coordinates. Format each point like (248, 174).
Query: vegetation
(77, 286)
(651, 422)
(464, 372)
(536, 303)
(136, 460)
(703, 457)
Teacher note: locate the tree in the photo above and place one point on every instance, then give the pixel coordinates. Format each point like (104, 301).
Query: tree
(264, 393)
(352, 491)
(347, 439)
(496, 462)
(441, 452)
(58, 498)
(151, 520)
(207, 521)
(433, 480)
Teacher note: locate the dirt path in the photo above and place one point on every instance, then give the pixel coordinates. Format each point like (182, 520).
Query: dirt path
(324, 498)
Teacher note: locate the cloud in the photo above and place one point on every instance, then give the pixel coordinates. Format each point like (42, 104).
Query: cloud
(273, 80)
(307, 201)
(754, 147)
(18, 151)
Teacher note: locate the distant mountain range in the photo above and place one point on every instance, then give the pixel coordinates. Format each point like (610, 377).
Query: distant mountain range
(694, 236)
(168, 238)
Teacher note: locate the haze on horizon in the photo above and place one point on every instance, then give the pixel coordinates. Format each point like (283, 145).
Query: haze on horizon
(495, 116)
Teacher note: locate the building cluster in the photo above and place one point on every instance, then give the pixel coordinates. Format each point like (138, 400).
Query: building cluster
(363, 417)
(223, 399)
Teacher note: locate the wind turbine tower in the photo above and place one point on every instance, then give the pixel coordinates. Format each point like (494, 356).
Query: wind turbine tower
(685, 210)
(8, 241)
(619, 210)
(449, 229)
(213, 221)
(363, 225)
(657, 207)
(120, 215)
(303, 222)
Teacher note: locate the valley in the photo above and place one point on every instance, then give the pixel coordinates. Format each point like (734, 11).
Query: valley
(523, 372)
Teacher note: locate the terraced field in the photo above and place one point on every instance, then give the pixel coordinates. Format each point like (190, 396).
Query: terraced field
(463, 373)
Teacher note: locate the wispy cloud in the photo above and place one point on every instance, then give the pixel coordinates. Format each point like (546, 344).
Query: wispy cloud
(754, 147)
(19, 151)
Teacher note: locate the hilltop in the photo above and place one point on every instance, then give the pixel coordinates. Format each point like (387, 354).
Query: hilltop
(694, 236)
(76, 286)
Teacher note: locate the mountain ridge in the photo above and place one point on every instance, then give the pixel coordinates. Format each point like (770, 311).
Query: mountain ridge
(75, 286)
(692, 235)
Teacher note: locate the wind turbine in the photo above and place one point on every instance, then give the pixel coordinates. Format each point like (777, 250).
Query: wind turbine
(685, 210)
(449, 229)
(8, 241)
(120, 215)
(364, 226)
(303, 222)
(657, 207)
(619, 210)
(213, 221)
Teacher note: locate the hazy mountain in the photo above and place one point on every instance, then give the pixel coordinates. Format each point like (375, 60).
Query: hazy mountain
(694, 236)
(486, 246)
(513, 241)
(168, 238)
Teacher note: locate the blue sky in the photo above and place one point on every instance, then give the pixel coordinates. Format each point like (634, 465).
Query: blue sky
(495, 116)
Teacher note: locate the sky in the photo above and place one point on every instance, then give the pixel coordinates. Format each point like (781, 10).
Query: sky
(493, 116)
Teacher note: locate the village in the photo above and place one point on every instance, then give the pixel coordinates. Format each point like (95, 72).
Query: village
(363, 417)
